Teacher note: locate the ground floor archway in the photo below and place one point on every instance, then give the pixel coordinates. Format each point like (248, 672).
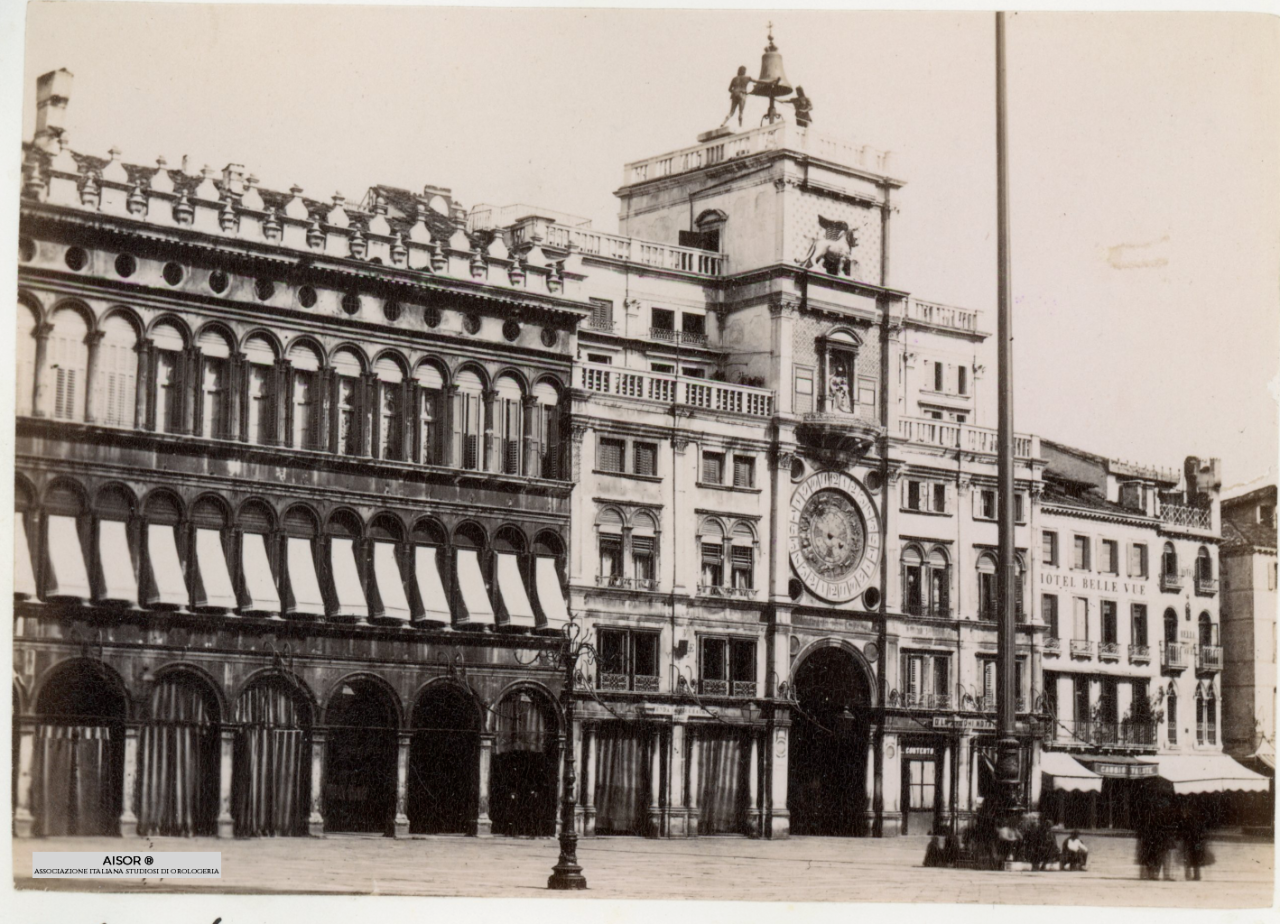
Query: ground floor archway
(360, 759)
(78, 764)
(830, 732)
(178, 759)
(444, 761)
(271, 785)
(522, 788)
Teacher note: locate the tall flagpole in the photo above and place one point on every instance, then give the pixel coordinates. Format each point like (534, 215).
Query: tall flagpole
(1007, 766)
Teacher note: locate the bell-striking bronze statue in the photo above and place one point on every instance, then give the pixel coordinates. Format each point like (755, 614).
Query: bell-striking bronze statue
(738, 90)
(804, 107)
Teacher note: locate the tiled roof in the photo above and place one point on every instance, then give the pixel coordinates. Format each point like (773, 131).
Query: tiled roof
(1086, 500)
(1238, 535)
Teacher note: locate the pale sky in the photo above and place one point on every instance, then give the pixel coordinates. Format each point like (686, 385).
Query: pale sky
(1145, 189)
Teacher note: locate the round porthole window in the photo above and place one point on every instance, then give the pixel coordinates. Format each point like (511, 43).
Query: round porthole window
(795, 590)
(431, 317)
(511, 330)
(307, 297)
(391, 309)
(472, 324)
(351, 303)
(264, 289)
(218, 281)
(873, 481)
(76, 259)
(172, 273)
(126, 265)
(871, 598)
(797, 469)
(549, 337)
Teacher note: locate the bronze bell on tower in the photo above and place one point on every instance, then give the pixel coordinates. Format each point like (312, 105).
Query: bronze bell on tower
(773, 81)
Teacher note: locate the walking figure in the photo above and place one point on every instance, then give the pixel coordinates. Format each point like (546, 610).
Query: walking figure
(1195, 851)
(738, 88)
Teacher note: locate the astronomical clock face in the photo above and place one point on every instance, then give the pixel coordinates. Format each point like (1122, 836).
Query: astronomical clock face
(835, 536)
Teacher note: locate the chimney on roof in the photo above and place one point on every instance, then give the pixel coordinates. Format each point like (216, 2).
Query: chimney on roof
(53, 92)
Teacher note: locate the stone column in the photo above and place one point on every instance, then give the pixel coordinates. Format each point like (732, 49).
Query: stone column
(489, 461)
(753, 785)
(780, 817)
(315, 821)
(39, 394)
(129, 817)
(677, 809)
(655, 784)
(528, 417)
(402, 784)
(142, 383)
(93, 340)
(23, 820)
(589, 756)
(226, 742)
(944, 790)
(484, 826)
(694, 744)
(964, 795)
(870, 783)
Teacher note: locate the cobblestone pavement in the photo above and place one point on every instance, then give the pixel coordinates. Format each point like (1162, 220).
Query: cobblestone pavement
(795, 870)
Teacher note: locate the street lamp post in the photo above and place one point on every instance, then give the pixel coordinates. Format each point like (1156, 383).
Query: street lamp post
(567, 875)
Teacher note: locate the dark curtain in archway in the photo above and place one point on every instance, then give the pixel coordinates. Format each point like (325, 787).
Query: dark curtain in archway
(722, 795)
(78, 764)
(360, 760)
(178, 761)
(271, 780)
(622, 778)
(522, 787)
(444, 764)
(826, 775)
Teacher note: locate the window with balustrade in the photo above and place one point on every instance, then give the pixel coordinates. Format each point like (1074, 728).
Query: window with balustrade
(926, 582)
(601, 314)
(1170, 627)
(609, 524)
(628, 660)
(1138, 624)
(926, 680)
(1110, 623)
(727, 666)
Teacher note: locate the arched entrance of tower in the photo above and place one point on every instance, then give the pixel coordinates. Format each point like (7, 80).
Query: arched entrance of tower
(827, 773)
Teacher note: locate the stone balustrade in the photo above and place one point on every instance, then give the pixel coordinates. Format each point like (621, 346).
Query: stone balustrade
(945, 316)
(696, 393)
(950, 435)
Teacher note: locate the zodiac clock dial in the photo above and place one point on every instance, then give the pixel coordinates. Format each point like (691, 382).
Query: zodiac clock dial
(835, 536)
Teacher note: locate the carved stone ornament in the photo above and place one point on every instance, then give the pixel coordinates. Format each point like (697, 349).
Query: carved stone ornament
(834, 536)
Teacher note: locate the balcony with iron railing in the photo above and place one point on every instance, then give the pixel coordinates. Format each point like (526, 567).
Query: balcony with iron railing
(1139, 654)
(991, 704)
(670, 335)
(623, 683)
(1206, 586)
(1108, 651)
(720, 590)
(1129, 733)
(926, 700)
(927, 610)
(1174, 656)
(1208, 657)
(738, 689)
(1170, 582)
(703, 394)
(1184, 516)
(1081, 648)
(949, 435)
(944, 316)
(1052, 646)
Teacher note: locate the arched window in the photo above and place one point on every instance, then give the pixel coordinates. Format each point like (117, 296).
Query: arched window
(468, 421)
(1201, 725)
(117, 388)
(167, 379)
(430, 569)
(1210, 714)
(215, 386)
(644, 551)
(431, 420)
(1171, 714)
(1204, 571)
(1208, 632)
(166, 585)
(1170, 627)
(305, 598)
(839, 355)
(939, 578)
(390, 409)
(711, 540)
(304, 397)
(114, 507)
(1019, 589)
(743, 558)
(26, 350)
(510, 424)
(348, 406)
(1169, 562)
(913, 585)
(988, 587)
(609, 528)
(546, 429)
(260, 380)
(66, 362)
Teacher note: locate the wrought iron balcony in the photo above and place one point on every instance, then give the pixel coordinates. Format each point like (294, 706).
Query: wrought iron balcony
(601, 324)
(929, 610)
(1139, 654)
(1170, 582)
(1108, 651)
(745, 689)
(1081, 648)
(1052, 646)
(612, 681)
(638, 683)
(670, 335)
(644, 684)
(1206, 586)
(613, 580)
(1209, 658)
(1130, 733)
(720, 590)
(715, 688)
(646, 583)
(1174, 656)
(926, 700)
